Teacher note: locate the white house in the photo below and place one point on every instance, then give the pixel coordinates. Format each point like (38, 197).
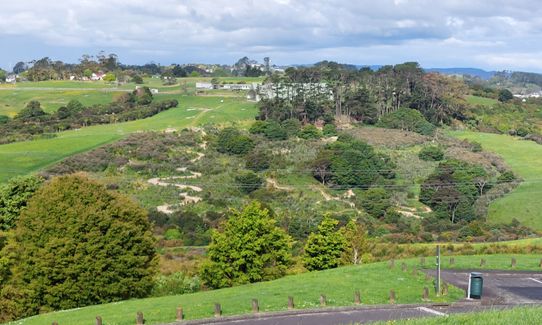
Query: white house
(204, 86)
(12, 78)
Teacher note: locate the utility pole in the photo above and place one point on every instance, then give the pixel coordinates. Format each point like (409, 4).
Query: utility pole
(437, 284)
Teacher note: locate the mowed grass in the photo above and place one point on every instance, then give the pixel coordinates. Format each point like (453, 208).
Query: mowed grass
(26, 157)
(525, 159)
(374, 282)
(477, 100)
(518, 315)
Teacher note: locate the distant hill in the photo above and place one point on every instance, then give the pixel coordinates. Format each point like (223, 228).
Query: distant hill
(483, 74)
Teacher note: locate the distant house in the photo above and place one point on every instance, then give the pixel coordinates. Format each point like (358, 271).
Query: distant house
(204, 86)
(154, 91)
(97, 76)
(12, 78)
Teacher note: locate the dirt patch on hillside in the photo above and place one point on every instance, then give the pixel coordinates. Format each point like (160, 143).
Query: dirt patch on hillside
(387, 137)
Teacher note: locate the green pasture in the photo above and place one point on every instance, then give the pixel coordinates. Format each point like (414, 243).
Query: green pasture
(525, 159)
(477, 100)
(26, 157)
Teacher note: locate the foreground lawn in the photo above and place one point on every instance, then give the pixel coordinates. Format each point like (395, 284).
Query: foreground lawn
(26, 157)
(520, 315)
(524, 262)
(525, 159)
(373, 280)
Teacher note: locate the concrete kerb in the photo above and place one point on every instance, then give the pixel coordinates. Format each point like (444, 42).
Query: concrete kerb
(302, 312)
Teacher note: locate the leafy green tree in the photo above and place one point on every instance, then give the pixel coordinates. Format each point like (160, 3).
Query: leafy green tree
(14, 196)
(251, 248)
(4, 119)
(408, 120)
(87, 73)
(258, 160)
(357, 242)
(249, 182)
(77, 244)
(3, 75)
(291, 126)
(324, 248)
(110, 77)
(505, 95)
(374, 200)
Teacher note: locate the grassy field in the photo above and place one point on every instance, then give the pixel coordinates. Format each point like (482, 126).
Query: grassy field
(525, 159)
(373, 280)
(26, 157)
(519, 315)
(476, 100)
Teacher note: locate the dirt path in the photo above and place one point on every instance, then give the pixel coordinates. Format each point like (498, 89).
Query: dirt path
(329, 197)
(273, 183)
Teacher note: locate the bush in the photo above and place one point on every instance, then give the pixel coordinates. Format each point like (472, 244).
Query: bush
(324, 248)
(14, 197)
(375, 201)
(291, 126)
(329, 130)
(177, 283)
(232, 141)
(408, 120)
(249, 182)
(4, 119)
(257, 160)
(431, 153)
(76, 244)
(173, 234)
(309, 132)
(137, 79)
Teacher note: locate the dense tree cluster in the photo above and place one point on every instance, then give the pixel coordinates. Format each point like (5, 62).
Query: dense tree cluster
(33, 121)
(364, 95)
(453, 188)
(14, 196)
(352, 163)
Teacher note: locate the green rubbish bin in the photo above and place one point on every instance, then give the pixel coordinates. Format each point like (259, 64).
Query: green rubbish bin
(476, 284)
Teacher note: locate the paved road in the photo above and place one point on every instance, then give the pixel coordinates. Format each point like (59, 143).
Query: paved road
(502, 289)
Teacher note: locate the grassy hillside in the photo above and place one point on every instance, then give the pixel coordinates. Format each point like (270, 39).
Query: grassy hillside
(477, 100)
(26, 157)
(373, 280)
(525, 159)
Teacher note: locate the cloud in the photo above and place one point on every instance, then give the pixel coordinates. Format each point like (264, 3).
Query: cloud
(293, 31)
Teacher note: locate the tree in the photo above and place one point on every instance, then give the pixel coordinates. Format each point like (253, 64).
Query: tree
(2, 75)
(4, 119)
(505, 95)
(357, 242)
(375, 201)
(87, 73)
(251, 248)
(110, 77)
(32, 110)
(20, 67)
(431, 153)
(14, 197)
(77, 244)
(323, 249)
(309, 132)
(137, 79)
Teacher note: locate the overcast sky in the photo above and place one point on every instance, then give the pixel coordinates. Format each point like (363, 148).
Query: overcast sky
(492, 34)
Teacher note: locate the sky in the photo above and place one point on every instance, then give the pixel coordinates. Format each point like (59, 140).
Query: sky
(488, 34)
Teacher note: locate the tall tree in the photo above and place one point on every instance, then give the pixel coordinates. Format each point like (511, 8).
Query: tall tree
(324, 248)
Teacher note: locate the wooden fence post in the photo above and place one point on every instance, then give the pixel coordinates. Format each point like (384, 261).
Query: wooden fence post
(482, 262)
(403, 267)
(357, 297)
(415, 271)
(392, 263)
(392, 296)
(513, 263)
(291, 302)
(452, 261)
(55, 323)
(255, 306)
(422, 261)
(98, 320)
(180, 314)
(425, 295)
(322, 300)
(218, 310)
(139, 318)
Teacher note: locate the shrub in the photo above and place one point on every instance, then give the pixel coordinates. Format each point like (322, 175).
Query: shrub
(173, 234)
(14, 197)
(329, 130)
(309, 132)
(291, 126)
(4, 119)
(408, 120)
(431, 153)
(177, 283)
(257, 160)
(249, 182)
(137, 79)
(76, 244)
(375, 201)
(232, 141)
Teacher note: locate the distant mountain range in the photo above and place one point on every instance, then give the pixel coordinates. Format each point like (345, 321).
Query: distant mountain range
(475, 72)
